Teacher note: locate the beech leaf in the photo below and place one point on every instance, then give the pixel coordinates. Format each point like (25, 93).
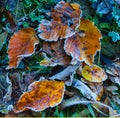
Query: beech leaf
(65, 20)
(84, 44)
(22, 44)
(94, 73)
(57, 53)
(41, 95)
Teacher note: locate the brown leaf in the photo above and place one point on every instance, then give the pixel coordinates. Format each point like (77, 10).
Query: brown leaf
(113, 72)
(56, 51)
(41, 95)
(67, 13)
(83, 45)
(10, 20)
(65, 20)
(93, 73)
(22, 44)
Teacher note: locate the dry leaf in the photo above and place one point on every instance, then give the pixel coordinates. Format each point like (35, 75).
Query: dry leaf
(113, 93)
(94, 73)
(22, 44)
(66, 73)
(65, 20)
(67, 13)
(113, 72)
(84, 89)
(84, 44)
(10, 20)
(41, 95)
(56, 51)
(5, 92)
(51, 31)
(96, 88)
(3, 37)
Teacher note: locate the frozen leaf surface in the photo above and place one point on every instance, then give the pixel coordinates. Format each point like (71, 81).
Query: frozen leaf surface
(5, 92)
(41, 95)
(84, 44)
(96, 88)
(22, 44)
(57, 53)
(94, 73)
(65, 20)
(3, 37)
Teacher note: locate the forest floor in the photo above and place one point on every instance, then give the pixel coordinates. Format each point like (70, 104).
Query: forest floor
(59, 58)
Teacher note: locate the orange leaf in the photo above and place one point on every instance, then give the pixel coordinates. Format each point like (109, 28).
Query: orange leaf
(83, 45)
(40, 96)
(65, 20)
(22, 44)
(94, 73)
(51, 31)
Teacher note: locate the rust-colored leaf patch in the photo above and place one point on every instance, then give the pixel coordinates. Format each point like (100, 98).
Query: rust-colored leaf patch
(51, 31)
(94, 73)
(41, 95)
(57, 53)
(67, 13)
(84, 44)
(22, 44)
(65, 20)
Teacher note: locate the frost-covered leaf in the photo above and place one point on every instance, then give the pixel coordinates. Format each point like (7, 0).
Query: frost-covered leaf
(5, 92)
(41, 95)
(96, 88)
(113, 93)
(57, 53)
(66, 73)
(84, 89)
(84, 44)
(113, 72)
(94, 73)
(3, 37)
(74, 101)
(65, 20)
(22, 44)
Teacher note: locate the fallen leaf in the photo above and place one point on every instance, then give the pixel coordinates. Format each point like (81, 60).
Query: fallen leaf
(52, 30)
(65, 20)
(113, 93)
(84, 44)
(41, 95)
(3, 37)
(5, 92)
(66, 73)
(96, 88)
(10, 20)
(80, 100)
(84, 89)
(22, 44)
(113, 72)
(74, 101)
(67, 13)
(15, 78)
(27, 79)
(94, 73)
(57, 53)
